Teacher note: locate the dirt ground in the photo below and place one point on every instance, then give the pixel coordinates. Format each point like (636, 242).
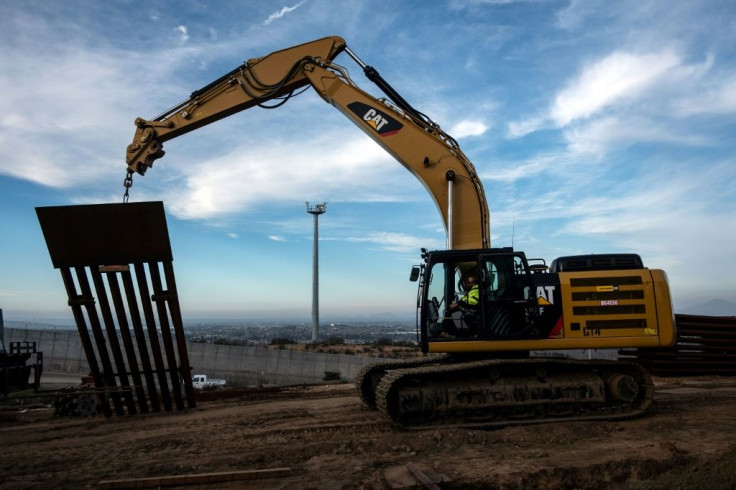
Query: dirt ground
(322, 437)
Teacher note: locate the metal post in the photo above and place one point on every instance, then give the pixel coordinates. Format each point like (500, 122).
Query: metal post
(315, 211)
(450, 176)
(2, 333)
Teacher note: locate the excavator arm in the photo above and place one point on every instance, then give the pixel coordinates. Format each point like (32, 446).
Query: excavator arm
(419, 144)
(256, 81)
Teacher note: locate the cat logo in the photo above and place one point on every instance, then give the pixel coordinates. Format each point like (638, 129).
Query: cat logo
(382, 123)
(546, 295)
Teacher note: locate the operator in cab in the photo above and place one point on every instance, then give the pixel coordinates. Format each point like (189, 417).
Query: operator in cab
(464, 312)
(470, 298)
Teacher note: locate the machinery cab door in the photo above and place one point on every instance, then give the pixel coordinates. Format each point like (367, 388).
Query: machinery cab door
(447, 308)
(480, 296)
(507, 305)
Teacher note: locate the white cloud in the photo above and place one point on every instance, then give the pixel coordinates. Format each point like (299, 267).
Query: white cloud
(276, 238)
(575, 13)
(329, 167)
(233, 235)
(69, 124)
(464, 4)
(280, 13)
(512, 171)
(398, 242)
(627, 98)
(617, 76)
(617, 79)
(517, 129)
(52, 132)
(602, 134)
(467, 128)
(717, 97)
(182, 32)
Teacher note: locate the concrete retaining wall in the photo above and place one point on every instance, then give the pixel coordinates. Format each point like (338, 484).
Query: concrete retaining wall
(62, 349)
(239, 365)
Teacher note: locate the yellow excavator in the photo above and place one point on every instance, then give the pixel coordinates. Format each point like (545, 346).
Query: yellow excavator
(481, 310)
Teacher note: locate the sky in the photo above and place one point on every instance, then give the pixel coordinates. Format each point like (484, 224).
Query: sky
(595, 126)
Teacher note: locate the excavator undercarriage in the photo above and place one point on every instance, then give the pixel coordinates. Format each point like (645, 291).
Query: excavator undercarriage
(439, 391)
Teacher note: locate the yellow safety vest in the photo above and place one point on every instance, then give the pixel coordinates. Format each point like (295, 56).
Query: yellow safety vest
(472, 296)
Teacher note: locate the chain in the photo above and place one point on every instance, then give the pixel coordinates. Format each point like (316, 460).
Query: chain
(127, 183)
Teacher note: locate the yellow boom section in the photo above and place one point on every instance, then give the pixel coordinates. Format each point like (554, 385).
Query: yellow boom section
(422, 147)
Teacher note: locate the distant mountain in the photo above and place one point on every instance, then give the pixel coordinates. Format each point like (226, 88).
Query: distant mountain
(714, 307)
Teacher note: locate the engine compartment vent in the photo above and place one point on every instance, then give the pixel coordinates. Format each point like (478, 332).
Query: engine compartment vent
(596, 262)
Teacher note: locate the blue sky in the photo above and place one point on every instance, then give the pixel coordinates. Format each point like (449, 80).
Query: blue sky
(596, 127)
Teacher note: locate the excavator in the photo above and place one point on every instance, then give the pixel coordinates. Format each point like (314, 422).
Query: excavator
(498, 359)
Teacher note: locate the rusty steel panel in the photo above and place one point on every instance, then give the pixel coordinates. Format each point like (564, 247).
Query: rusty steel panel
(105, 234)
(97, 248)
(705, 345)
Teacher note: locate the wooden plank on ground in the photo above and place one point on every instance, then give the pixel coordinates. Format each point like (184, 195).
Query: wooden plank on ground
(196, 479)
(422, 478)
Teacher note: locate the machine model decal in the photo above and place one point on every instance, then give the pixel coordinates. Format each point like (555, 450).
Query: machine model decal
(381, 122)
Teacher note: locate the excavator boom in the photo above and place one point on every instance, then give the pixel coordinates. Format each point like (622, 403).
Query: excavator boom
(254, 82)
(412, 138)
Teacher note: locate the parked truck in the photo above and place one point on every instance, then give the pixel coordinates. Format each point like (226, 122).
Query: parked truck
(201, 382)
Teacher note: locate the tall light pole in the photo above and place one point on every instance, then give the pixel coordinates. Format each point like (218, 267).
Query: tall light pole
(315, 211)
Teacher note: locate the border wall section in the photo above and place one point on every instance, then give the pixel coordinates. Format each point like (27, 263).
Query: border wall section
(239, 365)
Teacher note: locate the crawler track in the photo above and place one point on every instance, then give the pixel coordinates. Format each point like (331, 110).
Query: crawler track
(368, 378)
(503, 392)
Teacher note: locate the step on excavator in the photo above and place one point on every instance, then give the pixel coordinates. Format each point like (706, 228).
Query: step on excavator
(481, 310)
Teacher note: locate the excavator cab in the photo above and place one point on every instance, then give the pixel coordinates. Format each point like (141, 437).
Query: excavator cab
(508, 306)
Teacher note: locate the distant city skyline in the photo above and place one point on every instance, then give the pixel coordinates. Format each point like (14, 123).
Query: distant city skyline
(716, 307)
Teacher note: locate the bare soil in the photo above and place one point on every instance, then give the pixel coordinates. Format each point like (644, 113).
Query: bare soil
(329, 440)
